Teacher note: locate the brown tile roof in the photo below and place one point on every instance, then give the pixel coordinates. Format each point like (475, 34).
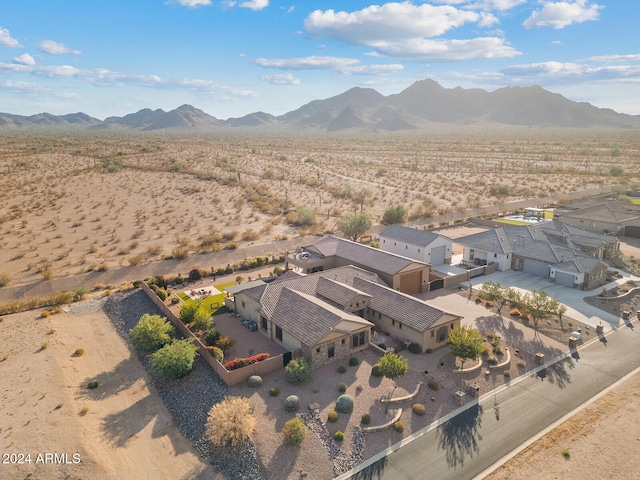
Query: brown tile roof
(337, 292)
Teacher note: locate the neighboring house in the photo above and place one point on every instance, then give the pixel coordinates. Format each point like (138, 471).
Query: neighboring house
(613, 217)
(560, 253)
(329, 315)
(422, 245)
(398, 272)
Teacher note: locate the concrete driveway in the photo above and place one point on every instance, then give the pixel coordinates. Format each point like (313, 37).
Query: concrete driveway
(577, 308)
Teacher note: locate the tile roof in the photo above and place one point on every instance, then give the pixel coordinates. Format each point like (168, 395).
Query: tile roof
(357, 253)
(337, 292)
(611, 212)
(404, 308)
(412, 236)
(309, 319)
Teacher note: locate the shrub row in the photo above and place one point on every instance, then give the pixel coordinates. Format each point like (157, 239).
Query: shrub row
(243, 362)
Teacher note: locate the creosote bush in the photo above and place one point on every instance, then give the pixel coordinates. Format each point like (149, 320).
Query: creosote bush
(231, 422)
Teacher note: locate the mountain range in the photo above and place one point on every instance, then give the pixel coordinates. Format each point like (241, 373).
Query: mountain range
(364, 109)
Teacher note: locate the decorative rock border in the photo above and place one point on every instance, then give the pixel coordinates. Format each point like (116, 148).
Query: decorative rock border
(406, 397)
(384, 425)
(508, 359)
(470, 369)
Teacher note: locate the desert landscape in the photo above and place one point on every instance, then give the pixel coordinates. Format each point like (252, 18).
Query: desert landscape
(79, 202)
(74, 203)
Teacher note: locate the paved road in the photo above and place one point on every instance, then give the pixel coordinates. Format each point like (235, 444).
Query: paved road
(470, 442)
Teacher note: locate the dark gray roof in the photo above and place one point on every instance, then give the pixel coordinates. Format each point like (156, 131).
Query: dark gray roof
(549, 242)
(412, 236)
(359, 254)
(309, 319)
(404, 308)
(233, 289)
(579, 265)
(611, 212)
(337, 292)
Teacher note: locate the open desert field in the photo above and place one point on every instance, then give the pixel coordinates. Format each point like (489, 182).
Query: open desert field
(73, 203)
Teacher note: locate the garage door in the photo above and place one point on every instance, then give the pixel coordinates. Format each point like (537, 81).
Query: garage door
(537, 268)
(437, 255)
(632, 232)
(566, 279)
(411, 282)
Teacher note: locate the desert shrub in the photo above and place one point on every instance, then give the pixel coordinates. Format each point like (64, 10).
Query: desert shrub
(495, 342)
(342, 369)
(353, 361)
(414, 348)
(338, 436)
(298, 370)
(515, 312)
(212, 336)
(231, 422)
(292, 403)
(365, 419)
(79, 293)
(433, 384)
(491, 336)
(254, 381)
(137, 283)
(175, 300)
(521, 364)
(216, 353)
(375, 371)
(566, 453)
(151, 333)
(5, 279)
(274, 391)
(201, 320)
(180, 253)
(492, 359)
(225, 343)
(333, 416)
(162, 294)
(419, 409)
(345, 403)
(398, 427)
(342, 387)
(175, 359)
(44, 346)
(228, 270)
(506, 373)
(497, 350)
(79, 352)
(45, 314)
(195, 274)
(294, 431)
(92, 385)
(249, 235)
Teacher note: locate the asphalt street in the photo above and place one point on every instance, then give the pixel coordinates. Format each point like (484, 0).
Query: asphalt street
(473, 440)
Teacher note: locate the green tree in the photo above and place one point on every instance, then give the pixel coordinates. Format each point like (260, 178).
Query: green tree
(354, 226)
(538, 306)
(361, 196)
(494, 293)
(151, 333)
(395, 214)
(306, 217)
(465, 342)
(298, 370)
(175, 359)
(194, 313)
(392, 366)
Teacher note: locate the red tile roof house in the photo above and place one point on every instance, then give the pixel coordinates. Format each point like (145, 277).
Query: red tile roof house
(329, 315)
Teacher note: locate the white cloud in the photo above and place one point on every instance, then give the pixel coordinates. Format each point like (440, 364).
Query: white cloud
(569, 72)
(391, 21)
(24, 59)
(562, 14)
(342, 65)
(55, 48)
(615, 58)
(501, 5)
(281, 79)
(7, 40)
(254, 5)
(448, 50)
(194, 3)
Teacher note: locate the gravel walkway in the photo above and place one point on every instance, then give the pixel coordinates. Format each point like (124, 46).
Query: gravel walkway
(188, 399)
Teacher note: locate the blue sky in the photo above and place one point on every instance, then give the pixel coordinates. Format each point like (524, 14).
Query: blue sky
(231, 58)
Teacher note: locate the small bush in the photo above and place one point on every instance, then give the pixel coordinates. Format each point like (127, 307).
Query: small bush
(162, 294)
(414, 348)
(151, 333)
(338, 436)
(333, 416)
(342, 369)
(515, 312)
(521, 364)
(216, 353)
(292, 403)
(433, 399)
(433, 385)
(294, 431)
(195, 274)
(44, 346)
(419, 409)
(492, 359)
(342, 387)
(78, 353)
(506, 373)
(83, 411)
(230, 422)
(92, 385)
(274, 391)
(254, 381)
(45, 314)
(175, 359)
(212, 336)
(566, 453)
(375, 371)
(398, 427)
(298, 370)
(497, 350)
(365, 419)
(345, 403)
(353, 361)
